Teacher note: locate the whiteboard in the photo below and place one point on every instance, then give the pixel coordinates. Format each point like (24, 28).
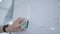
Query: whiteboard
(44, 15)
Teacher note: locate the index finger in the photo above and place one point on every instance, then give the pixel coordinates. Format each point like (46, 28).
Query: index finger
(19, 20)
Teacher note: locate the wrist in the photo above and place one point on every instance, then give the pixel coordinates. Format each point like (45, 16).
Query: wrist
(4, 28)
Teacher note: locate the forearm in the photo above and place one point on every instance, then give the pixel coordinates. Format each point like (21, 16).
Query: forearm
(1, 29)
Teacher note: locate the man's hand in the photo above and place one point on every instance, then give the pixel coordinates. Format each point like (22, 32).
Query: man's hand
(16, 26)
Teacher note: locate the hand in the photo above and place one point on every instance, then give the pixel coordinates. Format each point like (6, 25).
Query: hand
(16, 26)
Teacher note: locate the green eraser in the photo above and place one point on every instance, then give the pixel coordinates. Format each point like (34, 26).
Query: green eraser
(25, 26)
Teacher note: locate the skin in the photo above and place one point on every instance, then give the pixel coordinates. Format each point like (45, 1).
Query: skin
(16, 26)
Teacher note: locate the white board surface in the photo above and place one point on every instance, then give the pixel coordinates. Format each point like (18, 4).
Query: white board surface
(44, 16)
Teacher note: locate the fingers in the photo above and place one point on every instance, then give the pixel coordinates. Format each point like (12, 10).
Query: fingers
(19, 23)
(19, 29)
(22, 23)
(19, 20)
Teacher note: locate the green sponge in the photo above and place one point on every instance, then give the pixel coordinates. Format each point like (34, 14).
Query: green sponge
(26, 24)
